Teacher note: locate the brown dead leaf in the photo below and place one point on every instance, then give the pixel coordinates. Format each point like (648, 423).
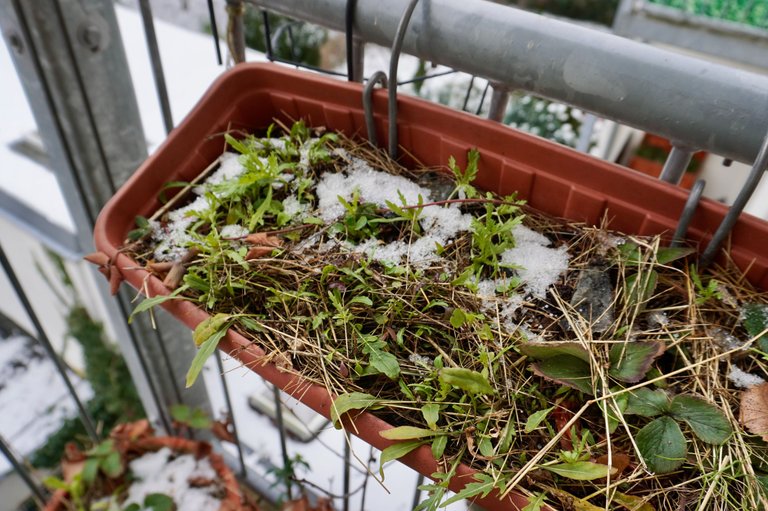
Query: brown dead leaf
(115, 279)
(222, 430)
(620, 462)
(200, 481)
(160, 266)
(263, 244)
(754, 410)
(283, 363)
(97, 258)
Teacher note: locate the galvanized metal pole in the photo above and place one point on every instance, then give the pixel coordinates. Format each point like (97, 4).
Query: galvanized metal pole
(705, 105)
(18, 466)
(499, 102)
(157, 64)
(70, 59)
(676, 163)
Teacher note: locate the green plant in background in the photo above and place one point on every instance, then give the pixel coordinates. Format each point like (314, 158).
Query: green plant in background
(597, 11)
(539, 116)
(749, 12)
(299, 43)
(114, 399)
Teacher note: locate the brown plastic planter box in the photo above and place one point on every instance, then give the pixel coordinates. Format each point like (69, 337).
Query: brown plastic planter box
(553, 179)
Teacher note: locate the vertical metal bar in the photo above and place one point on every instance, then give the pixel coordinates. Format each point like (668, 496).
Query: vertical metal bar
(231, 410)
(585, 133)
(499, 101)
(236, 30)
(349, 34)
(347, 462)
(394, 62)
(42, 337)
(157, 64)
(469, 93)
(676, 163)
(688, 210)
(482, 98)
(267, 35)
(283, 446)
(738, 205)
(214, 31)
(37, 491)
(358, 56)
(417, 492)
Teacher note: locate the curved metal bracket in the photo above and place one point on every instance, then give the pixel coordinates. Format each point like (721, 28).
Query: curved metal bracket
(379, 77)
(688, 210)
(397, 47)
(755, 175)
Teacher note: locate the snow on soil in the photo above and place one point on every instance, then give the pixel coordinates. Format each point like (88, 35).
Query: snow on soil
(33, 398)
(743, 379)
(161, 472)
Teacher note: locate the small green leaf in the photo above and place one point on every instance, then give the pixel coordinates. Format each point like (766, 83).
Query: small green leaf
(549, 349)
(639, 289)
(181, 413)
(205, 351)
(630, 361)
(458, 318)
(566, 370)
(466, 380)
(580, 470)
(647, 402)
(351, 401)
(535, 503)
(482, 487)
(485, 446)
(133, 507)
(407, 433)
(537, 418)
(55, 483)
(705, 419)
(666, 255)
(112, 465)
(632, 502)
(385, 363)
(438, 446)
(159, 502)
(397, 451)
(361, 299)
(148, 303)
(90, 469)
(662, 445)
(208, 327)
(431, 414)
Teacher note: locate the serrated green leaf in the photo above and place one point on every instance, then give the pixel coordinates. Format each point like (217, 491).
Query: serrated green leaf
(662, 445)
(351, 401)
(535, 503)
(431, 414)
(537, 418)
(630, 361)
(407, 433)
(159, 502)
(205, 351)
(397, 451)
(549, 349)
(580, 470)
(385, 363)
(566, 370)
(705, 419)
(209, 326)
(438, 446)
(466, 380)
(483, 486)
(755, 319)
(647, 402)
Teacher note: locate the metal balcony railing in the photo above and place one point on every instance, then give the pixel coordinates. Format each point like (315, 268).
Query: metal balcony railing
(71, 61)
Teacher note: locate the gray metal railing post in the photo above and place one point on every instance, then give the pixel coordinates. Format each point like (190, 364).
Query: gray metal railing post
(676, 163)
(73, 67)
(36, 490)
(499, 102)
(157, 65)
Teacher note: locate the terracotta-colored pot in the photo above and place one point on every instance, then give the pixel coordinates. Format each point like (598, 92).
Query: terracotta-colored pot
(552, 178)
(232, 500)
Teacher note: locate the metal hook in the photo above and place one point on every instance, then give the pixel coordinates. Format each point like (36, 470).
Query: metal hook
(397, 46)
(688, 210)
(379, 77)
(738, 205)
